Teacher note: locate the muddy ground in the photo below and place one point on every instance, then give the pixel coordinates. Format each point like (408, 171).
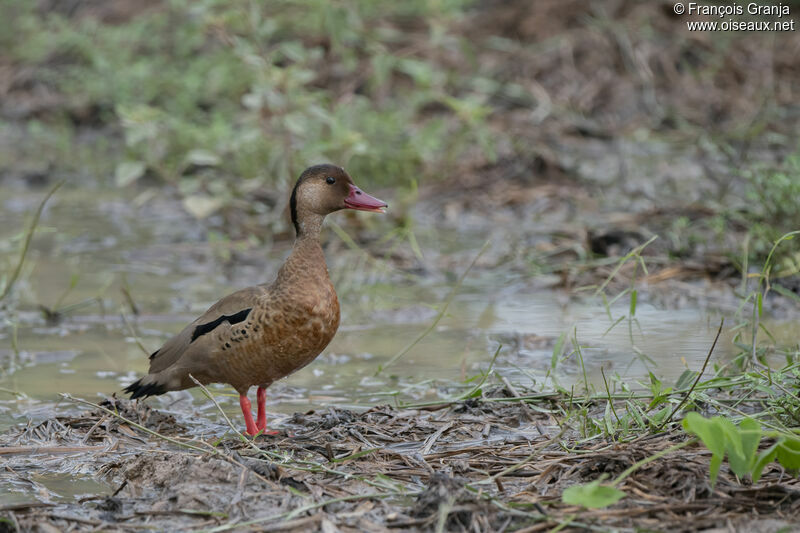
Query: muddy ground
(627, 131)
(465, 466)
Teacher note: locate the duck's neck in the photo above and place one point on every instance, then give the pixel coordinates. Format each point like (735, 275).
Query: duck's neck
(306, 261)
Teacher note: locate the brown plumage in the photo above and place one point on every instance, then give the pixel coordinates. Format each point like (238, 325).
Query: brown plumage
(260, 334)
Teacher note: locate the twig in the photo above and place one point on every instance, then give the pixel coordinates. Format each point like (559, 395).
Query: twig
(210, 449)
(78, 519)
(291, 514)
(513, 468)
(71, 398)
(275, 458)
(24, 505)
(439, 316)
(453, 399)
(210, 396)
(91, 430)
(134, 334)
(27, 242)
(635, 466)
(299, 524)
(608, 391)
(426, 448)
(636, 251)
(697, 379)
(8, 450)
(193, 512)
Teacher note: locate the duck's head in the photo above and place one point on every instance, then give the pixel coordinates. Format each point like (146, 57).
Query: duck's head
(323, 189)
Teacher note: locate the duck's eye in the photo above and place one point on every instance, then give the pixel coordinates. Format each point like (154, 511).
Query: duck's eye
(330, 180)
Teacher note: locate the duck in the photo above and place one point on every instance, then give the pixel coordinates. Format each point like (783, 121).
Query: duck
(258, 335)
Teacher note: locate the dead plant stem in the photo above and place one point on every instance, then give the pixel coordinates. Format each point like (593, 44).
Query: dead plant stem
(27, 242)
(439, 315)
(697, 379)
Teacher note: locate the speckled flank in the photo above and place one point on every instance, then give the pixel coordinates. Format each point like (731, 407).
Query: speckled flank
(289, 321)
(288, 327)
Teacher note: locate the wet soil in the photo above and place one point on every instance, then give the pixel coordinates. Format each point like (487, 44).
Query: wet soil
(469, 466)
(626, 132)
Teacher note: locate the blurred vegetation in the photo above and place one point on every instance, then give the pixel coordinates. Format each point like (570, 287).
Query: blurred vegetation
(257, 90)
(229, 100)
(772, 211)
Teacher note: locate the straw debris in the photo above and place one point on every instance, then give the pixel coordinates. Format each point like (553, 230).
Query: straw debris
(468, 466)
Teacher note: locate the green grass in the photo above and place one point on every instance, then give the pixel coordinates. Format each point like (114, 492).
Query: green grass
(771, 211)
(219, 98)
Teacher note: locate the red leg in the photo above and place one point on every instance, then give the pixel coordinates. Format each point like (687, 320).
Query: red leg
(262, 413)
(244, 402)
(261, 423)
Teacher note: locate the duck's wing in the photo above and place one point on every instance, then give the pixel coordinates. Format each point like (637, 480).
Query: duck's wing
(231, 309)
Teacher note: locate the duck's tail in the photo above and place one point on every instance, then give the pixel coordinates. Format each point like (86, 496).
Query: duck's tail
(146, 386)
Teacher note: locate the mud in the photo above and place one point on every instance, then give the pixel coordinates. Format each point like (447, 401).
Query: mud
(472, 466)
(623, 129)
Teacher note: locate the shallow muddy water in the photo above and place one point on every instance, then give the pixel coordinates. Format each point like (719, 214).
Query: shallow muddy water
(101, 244)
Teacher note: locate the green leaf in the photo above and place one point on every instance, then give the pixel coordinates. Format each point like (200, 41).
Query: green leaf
(686, 379)
(412, 241)
(608, 421)
(633, 303)
(712, 434)
(742, 443)
(764, 458)
(634, 411)
(128, 171)
(655, 383)
(733, 441)
(750, 431)
(713, 470)
(592, 495)
(558, 350)
(659, 416)
(789, 453)
(708, 430)
(786, 293)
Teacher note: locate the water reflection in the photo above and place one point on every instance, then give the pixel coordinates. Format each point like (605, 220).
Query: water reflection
(162, 261)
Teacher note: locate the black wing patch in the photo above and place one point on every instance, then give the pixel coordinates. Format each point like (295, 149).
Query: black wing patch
(235, 318)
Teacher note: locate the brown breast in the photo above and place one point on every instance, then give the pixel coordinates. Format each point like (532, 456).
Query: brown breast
(287, 329)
